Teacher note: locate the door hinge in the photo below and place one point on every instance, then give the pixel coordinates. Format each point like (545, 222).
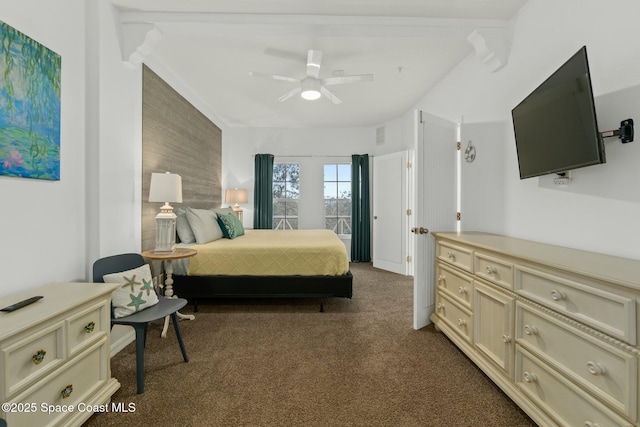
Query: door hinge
(458, 145)
(409, 258)
(409, 165)
(458, 216)
(408, 212)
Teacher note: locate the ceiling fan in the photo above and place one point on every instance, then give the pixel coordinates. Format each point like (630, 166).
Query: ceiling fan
(312, 87)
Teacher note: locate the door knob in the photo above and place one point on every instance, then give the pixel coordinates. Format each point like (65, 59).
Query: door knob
(419, 230)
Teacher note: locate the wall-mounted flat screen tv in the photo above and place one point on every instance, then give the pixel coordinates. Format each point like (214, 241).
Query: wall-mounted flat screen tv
(555, 126)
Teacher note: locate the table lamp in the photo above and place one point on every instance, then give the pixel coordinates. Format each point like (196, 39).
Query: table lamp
(236, 195)
(165, 187)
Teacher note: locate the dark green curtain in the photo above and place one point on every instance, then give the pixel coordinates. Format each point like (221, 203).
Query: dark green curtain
(263, 192)
(360, 211)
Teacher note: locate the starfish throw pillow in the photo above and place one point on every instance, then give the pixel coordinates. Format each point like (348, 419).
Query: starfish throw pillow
(135, 293)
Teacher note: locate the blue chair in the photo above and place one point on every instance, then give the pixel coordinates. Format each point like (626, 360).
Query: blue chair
(140, 320)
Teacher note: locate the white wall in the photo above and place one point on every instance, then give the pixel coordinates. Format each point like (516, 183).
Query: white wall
(43, 222)
(546, 33)
(114, 140)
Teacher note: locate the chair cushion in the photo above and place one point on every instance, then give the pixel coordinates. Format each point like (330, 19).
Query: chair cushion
(136, 292)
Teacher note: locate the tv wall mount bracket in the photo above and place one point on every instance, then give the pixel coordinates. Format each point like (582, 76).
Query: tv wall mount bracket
(625, 133)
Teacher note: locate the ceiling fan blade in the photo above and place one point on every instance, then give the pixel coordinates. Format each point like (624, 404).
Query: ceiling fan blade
(290, 94)
(314, 59)
(274, 77)
(326, 92)
(341, 80)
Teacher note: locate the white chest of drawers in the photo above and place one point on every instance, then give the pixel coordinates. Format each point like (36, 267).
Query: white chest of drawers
(54, 355)
(556, 328)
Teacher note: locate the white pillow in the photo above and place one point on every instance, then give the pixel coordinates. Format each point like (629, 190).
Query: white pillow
(136, 292)
(204, 224)
(185, 233)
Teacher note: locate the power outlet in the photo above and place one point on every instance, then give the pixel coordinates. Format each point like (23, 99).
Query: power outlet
(562, 179)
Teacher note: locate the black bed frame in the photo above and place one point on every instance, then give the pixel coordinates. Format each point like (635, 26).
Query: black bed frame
(194, 288)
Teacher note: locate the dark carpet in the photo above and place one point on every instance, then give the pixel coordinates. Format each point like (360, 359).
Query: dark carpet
(283, 363)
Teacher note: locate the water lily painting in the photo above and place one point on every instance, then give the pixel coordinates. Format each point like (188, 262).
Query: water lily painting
(29, 107)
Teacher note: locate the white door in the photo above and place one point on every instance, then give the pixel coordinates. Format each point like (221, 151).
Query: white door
(435, 203)
(390, 228)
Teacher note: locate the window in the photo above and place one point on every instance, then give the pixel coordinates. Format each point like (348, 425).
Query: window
(286, 193)
(337, 198)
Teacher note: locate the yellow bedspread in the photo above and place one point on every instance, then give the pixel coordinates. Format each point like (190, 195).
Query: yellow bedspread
(272, 253)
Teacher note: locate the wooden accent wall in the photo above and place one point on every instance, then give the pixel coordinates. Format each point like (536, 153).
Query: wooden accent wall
(178, 138)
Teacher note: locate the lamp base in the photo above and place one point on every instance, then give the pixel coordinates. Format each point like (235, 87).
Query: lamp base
(165, 231)
(238, 211)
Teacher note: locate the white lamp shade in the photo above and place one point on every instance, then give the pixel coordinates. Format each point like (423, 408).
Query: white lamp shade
(165, 187)
(236, 195)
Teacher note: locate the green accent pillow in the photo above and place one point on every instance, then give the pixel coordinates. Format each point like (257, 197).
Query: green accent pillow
(230, 225)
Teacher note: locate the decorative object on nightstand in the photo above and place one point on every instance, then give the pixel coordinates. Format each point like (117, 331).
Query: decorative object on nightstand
(236, 195)
(166, 188)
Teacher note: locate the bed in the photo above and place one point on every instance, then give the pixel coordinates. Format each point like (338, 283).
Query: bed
(266, 264)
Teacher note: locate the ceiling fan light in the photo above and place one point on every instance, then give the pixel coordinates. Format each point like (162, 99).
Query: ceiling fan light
(310, 89)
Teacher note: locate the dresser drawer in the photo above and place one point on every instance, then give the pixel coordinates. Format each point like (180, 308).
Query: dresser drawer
(86, 326)
(457, 285)
(30, 356)
(560, 398)
(494, 270)
(455, 316)
(459, 256)
(606, 371)
(604, 310)
(79, 378)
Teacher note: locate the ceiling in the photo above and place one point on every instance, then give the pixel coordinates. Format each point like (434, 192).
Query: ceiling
(408, 45)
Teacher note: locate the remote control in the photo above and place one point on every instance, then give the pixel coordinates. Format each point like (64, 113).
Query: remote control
(21, 304)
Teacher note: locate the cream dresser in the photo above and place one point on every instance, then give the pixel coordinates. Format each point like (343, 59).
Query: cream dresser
(54, 355)
(556, 328)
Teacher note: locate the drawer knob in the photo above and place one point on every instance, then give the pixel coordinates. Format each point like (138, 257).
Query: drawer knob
(530, 377)
(506, 339)
(441, 278)
(38, 357)
(462, 290)
(90, 327)
(440, 306)
(530, 330)
(590, 424)
(491, 269)
(596, 368)
(66, 392)
(451, 255)
(462, 322)
(558, 295)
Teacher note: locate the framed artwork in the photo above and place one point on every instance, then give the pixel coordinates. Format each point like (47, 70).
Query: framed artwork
(29, 107)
